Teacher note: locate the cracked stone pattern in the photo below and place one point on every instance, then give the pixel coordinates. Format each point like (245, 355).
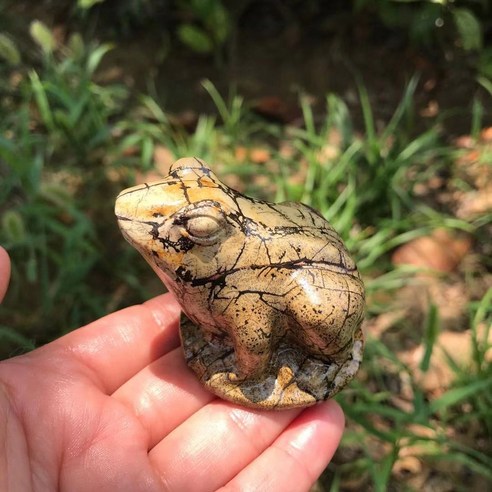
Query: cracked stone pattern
(272, 299)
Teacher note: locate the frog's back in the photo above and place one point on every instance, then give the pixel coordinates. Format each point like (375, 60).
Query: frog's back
(296, 232)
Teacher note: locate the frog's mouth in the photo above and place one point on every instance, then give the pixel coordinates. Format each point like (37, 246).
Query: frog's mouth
(135, 229)
(137, 232)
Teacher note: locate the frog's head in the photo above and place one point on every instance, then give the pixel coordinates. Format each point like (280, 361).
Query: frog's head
(180, 223)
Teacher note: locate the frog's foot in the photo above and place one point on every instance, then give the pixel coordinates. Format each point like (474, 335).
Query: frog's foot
(324, 379)
(293, 379)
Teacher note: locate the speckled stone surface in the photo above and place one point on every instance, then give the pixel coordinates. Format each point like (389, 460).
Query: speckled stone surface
(272, 299)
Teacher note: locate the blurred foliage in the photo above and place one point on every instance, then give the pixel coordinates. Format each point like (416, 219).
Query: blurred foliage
(55, 117)
(208, 26)
(429, 22)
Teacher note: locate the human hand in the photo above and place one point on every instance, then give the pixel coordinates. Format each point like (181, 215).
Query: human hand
(113, 407)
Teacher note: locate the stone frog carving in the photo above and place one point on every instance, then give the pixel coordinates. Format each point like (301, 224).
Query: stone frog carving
(273, 302)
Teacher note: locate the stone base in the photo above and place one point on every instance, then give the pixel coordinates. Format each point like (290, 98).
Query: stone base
(295, 379)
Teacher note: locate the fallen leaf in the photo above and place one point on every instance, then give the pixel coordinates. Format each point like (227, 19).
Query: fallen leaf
(259, 155)
(469, 157)
(276, 109)
(163, 158)
(186, 119)
(431, 110)
(486, 134)
(131, 151)
(465, 142)
(241, 153)
(15, 79)
(59, 34)
(439, 251)
(327, 154)
(475, 203)
(286, 150)
(147, 177)
(385, 321)
(449, 345)
(111, 74)
(407, 465)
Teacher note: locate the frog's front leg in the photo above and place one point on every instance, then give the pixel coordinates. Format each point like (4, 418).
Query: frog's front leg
(252, 347)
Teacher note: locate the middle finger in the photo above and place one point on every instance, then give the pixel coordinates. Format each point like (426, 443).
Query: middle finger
(214, 444)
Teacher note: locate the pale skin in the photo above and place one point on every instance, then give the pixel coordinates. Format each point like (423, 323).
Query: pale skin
(112, 406)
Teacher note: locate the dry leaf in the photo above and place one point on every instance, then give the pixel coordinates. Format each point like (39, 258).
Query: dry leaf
(465, 142)
(276, 109)
(163, 158)
(259, 155)
(385, 321)
(241, 153)
(287, 150)
(439, 376)
(475, 203)
(486, 134)
(440, 251)
(111, 74)
(186, 119)
(431, 110)
(131, 151)
(147, 177)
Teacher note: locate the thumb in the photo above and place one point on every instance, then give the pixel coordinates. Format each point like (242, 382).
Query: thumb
(4, 272)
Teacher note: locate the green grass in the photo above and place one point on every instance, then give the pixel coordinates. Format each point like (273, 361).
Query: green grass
(69, 144)
(398, 428)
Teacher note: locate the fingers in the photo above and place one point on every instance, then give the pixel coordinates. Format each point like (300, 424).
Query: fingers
(4, 272)
(220, 440)
(163, 395)
(298, 456)
(118, 346)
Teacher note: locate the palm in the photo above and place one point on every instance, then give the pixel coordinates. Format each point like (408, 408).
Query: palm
(112, 406)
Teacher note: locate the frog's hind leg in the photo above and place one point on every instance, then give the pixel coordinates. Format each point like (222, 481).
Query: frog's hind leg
(348, 369)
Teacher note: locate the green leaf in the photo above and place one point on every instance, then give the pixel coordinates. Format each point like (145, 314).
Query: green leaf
(13, 226)
(96, 57)
(474, 464)
(56, 194)
(41, 99)
(486, 84)
(147, 152)
(42, 36)
(430, 336)
(219, 24)
(9, 51)
(485, 63)
(195, 38)
(87, 4)
(203, 8)
(31, 268)
(468, 28)
(369, 124)
(76, 45)
(454, 396)
(13, 336)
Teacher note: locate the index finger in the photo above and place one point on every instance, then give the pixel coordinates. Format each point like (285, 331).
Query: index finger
(118, 346)
(4, 272)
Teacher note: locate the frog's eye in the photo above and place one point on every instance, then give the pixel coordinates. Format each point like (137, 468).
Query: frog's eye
(202, 228)
(203, 225)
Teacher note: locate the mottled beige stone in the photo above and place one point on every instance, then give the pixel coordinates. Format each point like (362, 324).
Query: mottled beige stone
(272, 299)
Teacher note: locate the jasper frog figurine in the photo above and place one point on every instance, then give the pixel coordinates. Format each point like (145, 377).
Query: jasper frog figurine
(273, 302)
